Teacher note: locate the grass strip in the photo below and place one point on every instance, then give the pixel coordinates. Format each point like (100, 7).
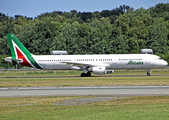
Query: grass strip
(145, 107)
(84, 81)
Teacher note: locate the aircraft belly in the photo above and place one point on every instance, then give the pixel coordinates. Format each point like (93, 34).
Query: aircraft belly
(54, 66)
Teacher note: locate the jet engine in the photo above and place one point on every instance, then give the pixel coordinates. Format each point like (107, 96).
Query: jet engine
(59, 52)
(101, 70)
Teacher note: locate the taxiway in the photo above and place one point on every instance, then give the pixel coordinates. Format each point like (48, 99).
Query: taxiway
(84, 91)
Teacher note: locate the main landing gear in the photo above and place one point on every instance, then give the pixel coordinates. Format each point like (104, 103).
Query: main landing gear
(148, 73)
(88, 74)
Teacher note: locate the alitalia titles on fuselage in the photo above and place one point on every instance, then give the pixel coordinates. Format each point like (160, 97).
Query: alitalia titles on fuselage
(134, 63)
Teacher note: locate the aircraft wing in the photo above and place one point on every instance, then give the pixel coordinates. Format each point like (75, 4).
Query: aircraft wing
(84, 65)
(80, 64)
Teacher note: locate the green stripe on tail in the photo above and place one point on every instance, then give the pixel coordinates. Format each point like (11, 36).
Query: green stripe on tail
(12, 37)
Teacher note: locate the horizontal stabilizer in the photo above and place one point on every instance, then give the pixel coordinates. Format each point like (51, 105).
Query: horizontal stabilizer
(8, 59)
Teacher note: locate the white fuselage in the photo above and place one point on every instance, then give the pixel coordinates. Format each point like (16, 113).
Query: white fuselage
(111, 61)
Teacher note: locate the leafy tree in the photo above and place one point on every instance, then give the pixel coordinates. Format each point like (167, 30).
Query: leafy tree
(96, 15)
(158, 40)
(84, 16)
(4, 64)
(4, 46)
(159, 10)
(38, 38)
(120, 30)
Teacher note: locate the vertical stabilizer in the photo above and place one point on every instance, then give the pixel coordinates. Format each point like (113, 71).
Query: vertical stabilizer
(19, 53)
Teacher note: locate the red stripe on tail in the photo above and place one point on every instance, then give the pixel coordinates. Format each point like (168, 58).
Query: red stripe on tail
(21, 56)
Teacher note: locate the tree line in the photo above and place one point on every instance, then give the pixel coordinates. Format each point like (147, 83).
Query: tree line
(123, 30)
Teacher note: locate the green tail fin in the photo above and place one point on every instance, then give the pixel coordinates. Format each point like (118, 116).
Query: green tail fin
(13, 43)
(20, 53)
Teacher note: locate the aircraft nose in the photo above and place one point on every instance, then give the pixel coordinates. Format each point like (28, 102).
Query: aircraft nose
(164, 63)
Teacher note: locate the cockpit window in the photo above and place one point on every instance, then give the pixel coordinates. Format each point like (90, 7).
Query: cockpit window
(159, 58)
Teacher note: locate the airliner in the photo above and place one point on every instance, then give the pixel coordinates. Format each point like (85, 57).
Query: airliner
(97, 64)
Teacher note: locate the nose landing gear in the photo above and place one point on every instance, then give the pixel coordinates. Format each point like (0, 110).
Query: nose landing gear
(148, 73)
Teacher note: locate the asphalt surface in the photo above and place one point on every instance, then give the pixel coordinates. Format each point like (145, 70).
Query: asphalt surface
(84, 91)
(85, 101)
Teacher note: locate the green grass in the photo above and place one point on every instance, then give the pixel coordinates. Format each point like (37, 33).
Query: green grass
(135, 108)
(83, 81)
(38, 108)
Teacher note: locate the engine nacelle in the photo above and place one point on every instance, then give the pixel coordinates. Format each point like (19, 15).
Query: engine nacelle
(109, 71)
(59, 52)
(101, 70)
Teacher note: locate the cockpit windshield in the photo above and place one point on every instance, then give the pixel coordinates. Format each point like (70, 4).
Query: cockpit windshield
(159, 58)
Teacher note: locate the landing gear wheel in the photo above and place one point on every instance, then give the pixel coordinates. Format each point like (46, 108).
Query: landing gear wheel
(88, 74)
(83, 74)
(148, 73)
